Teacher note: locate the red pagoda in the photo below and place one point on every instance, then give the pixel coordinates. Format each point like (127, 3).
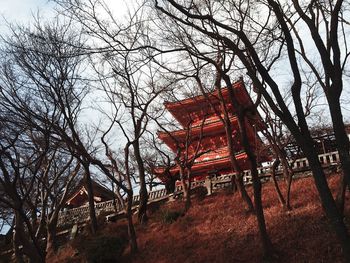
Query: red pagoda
(215, 160)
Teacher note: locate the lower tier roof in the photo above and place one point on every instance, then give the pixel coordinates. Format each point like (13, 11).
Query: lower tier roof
(217, 163)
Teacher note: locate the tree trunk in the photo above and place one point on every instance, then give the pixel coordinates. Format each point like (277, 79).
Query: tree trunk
(131, 229)
(29, 248)
(329, 204)
(265, 239)
(289, 174)
(280, 154)
(142, 213)
(238, 177)
(277, 188)
(89, 189)
(341, 137)
(305, 141)
(18, 256)
(51, 241)
(238, 182)
(341, 194)
(170, 184)
(185, 189)
(188, 195)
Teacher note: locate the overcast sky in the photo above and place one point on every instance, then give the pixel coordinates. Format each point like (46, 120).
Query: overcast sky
(21, 10)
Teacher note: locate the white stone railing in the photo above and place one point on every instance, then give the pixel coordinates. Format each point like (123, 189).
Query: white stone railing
(81, 214)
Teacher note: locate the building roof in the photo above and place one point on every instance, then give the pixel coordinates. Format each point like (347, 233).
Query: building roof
(211, 126)
(211, 161)
(199, 104)
(79, 193)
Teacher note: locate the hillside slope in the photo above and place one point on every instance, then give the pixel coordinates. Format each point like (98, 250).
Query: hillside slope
(218, 229)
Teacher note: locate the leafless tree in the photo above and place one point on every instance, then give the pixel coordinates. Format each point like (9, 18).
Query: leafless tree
(162, 164)
(222, 66)
(275, 135)
(240, 29)
(19, 169)
(123, 62)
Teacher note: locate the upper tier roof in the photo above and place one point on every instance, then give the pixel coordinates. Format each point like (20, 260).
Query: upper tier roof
(211, 126)
(184, 110)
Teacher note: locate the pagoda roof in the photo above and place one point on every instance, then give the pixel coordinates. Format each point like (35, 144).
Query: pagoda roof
(221, 156)
(211, 161)
(181, 109)
(211, 126)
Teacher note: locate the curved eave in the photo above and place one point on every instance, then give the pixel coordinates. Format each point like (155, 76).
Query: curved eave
(193, 101)
(217, 163)
(171, 139)
(179, 108)
(208, 128)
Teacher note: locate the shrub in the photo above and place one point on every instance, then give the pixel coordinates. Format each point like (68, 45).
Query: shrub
(169, 216)
(104, 249)
(199, 193)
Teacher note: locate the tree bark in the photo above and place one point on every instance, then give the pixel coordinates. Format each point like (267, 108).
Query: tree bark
(328, 202)
(341, 194)
(51, 240)
(275, 183)
(131, 228)
(28, 248)
(89, 189)
(185, 188)
(341, 137)
(238, 177)
(142, 212)
(288, 174)
(265, 239)
(18, 256)
(188, 195)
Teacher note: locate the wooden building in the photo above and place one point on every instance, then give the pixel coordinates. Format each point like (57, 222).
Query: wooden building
(200, 118)
(79, 196)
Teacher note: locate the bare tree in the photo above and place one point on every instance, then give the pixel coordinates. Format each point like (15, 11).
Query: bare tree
(222, 67)
(19, 168)
(243, 31)
(123, 63)
(162, 164)
(275, 134)
(54, 193)
(49, 60)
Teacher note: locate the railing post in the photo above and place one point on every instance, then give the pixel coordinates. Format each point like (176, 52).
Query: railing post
(208, 185)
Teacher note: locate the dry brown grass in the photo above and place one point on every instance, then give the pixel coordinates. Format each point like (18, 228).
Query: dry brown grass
(217, 229)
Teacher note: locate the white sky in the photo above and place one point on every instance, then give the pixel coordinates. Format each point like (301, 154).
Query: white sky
(21, 11)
